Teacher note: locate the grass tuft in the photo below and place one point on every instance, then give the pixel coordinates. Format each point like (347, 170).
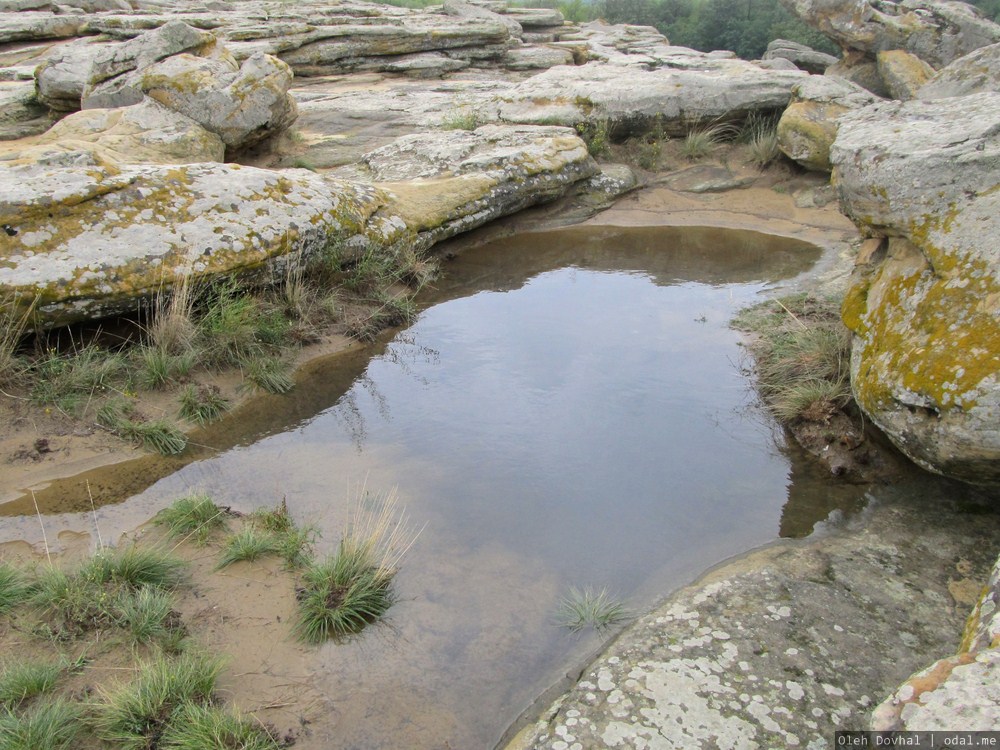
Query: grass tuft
(802, 353)
(136, 715)
(587, 607)
(21, 681)
(13, 587)
(760, 131)
(247, 544)
(202, 404)
(12, 328)
(461, 119)
(157, 435)
(47, 726)
(195, 517)
(69, 381)
(271, 374)
(134, 567)
(353, 587)
(147, 614)
(199, 727)
(703, 141)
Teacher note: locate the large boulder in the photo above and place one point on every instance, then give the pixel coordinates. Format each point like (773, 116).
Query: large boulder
(936, 31)
(73, 71)
(20, 112)
(146, 133)
(808, 127)
(861, 69)
(902, 73)
(977, 71)
(633, 99)
(926, 312)
(243, 106)
(803, 57)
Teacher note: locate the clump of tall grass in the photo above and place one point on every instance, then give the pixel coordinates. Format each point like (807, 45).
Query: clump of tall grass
(760, 132)
(801, 351)
(52, 725)
(352, 588)
(137, 714)
(235, 328)
(589, 607)
(194, 517)
(271, 374)
(12, 328)
(461, 119)
(703, 141)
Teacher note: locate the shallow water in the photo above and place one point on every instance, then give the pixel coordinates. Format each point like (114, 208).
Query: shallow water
(568, 410)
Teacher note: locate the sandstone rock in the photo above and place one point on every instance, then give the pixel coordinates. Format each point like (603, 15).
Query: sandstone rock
(862, 70)
(808, 127)
(926, 358)
(634, 101)
(328, 49)
(461, 9)
(977, 71)
(536, 18)
(60, 80)
(90, 241)
(803, 57)
(242, 106)
(21, 114)
(146, 133)
(448, 182)
(533, 58)
(16, 27)
(936, 31)
(903, 73)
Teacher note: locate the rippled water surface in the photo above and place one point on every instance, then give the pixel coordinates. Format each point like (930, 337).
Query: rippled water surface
(567, 410)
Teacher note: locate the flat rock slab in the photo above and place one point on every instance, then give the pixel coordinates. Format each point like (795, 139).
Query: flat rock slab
(784, 646)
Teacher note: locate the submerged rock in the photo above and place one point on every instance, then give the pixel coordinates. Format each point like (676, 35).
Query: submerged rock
(926, 312)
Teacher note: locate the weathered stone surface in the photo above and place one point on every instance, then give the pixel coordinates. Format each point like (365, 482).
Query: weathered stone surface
(16, 27)
(636, 99)
(146, 133)
(90, 240)
(803, 57)
(977, 71)
(857, 68)
(536, 58)
(60, 80)
(903, 73)
(242, 106)
(926, 358)
(778, 649)
(808, 127)
(936, 31)
(448, 182)
(461, 9)
(20, 113)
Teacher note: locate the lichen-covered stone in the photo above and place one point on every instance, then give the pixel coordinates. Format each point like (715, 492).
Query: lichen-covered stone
(903, 73)
(926, 358)
(808, 126)
(936, 31)
(243, 106)
(146, 133)
(977, 71)
(88, 241)
(21, 114)
(803, 57)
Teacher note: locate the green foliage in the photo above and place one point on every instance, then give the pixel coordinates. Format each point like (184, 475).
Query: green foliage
(194, 726)
(236, 328)
(134, 566)
(801, 352)
(133, 716)
(193, 517)
(52, 725)
(271, 374)
(202, 404)
(159, 368)
(269, 531)
(461, 119)
(581, 608)
(145, 614)
(596, 135)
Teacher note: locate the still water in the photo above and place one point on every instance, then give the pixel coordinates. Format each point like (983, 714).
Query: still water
(567, 410)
